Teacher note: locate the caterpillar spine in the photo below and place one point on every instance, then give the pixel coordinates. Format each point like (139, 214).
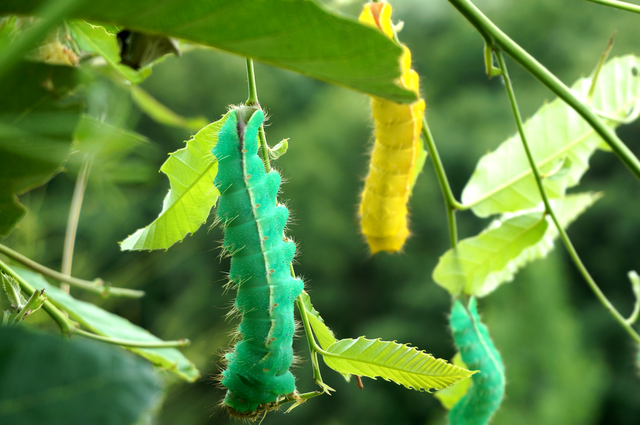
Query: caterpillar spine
(258, 367)
(478, 352)
(383, 208)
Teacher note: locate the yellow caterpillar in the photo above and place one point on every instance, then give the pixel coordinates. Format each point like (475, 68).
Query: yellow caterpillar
(397, 150)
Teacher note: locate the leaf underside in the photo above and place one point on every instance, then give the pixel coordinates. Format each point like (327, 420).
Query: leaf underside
(395, 362)
(503, 180)
(301, 36)
(110, 325)
(191, 171)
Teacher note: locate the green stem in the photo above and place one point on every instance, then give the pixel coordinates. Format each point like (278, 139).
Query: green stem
(253, 101)
(52, 14)
(135, 344)
(450, 201)
(65, 325)
(497, 39)
(549, 210)
(313, 346)
(73, 219)
(618, 5)
(298, 398)
(97, 286)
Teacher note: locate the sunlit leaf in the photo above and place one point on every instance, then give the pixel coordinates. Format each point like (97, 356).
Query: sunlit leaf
(301, 36)
(478, 264)
(160, 113)
(450, 396)
(36, 130)
(503, 180)
(325, 335)
(107, 324)
(45, 379)
(96, 39)
(13, 291)
(395, 362)
(191, 171)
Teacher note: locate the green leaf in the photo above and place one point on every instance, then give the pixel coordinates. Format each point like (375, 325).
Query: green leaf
(13, 291)
(107, 324)
(36, 130)
(450, 396)
(278, 150)
(301, 36)
(480, 263)
(554, 132)
(160, 113)
(96, 39)
(48, 380)
(325, 335)
(418, 166)
(191, 171)
(395, 362)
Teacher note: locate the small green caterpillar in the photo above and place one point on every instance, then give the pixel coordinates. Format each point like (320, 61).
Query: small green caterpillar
(258, 368)
(478, 352)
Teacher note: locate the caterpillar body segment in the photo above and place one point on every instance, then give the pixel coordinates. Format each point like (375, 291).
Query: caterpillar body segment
(479, 353)
(258, 368)
(397, 147)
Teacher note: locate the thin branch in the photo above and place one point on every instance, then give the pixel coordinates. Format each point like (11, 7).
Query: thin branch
(97, 286)
(499, 40)
(74, 218)
(618, 5)
(65, 325)
(135, 344)
(28, 307)
(253, 101)
(549, 210)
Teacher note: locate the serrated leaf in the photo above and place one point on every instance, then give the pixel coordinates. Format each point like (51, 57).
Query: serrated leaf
(478, 264)
(503, 180)
(96, 39)
(160, 113)
(45, 379)
(450, 396)
(13, 291)
(191, 171)
(301, 36)
(107, 324)
(395, 362)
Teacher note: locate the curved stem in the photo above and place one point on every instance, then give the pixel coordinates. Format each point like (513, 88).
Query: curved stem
(97, 286)
(495, 37)
(549, 210)
(74, 218)
(450, 201)
(66, 326)
(618, 5)
(135, 344)
(253, 101)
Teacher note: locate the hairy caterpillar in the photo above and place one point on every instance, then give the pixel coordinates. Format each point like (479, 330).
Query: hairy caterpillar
(478, 352)
(258, 368)
(383, 209)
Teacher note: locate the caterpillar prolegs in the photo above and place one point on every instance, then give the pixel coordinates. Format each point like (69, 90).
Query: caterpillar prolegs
(258, 368)
(397, 147)
(478, 352)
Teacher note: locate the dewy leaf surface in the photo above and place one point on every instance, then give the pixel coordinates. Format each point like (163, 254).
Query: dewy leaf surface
(45, 379)
(503, 180)
(395, 362)
(191, 171)
(107, 324)
(301, 36)
(471, 268)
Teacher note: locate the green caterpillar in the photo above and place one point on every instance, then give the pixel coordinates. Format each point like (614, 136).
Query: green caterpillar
(478, 352)
(258, 368)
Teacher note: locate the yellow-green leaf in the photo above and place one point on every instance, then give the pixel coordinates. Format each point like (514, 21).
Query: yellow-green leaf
(450, 396)
(395, 362)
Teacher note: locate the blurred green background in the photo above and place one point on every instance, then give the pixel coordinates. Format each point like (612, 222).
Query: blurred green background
(567, 362)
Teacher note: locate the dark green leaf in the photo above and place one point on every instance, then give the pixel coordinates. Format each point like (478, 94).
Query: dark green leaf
(47, 380)
(36, 129)
(104, 323)
(297, 35)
